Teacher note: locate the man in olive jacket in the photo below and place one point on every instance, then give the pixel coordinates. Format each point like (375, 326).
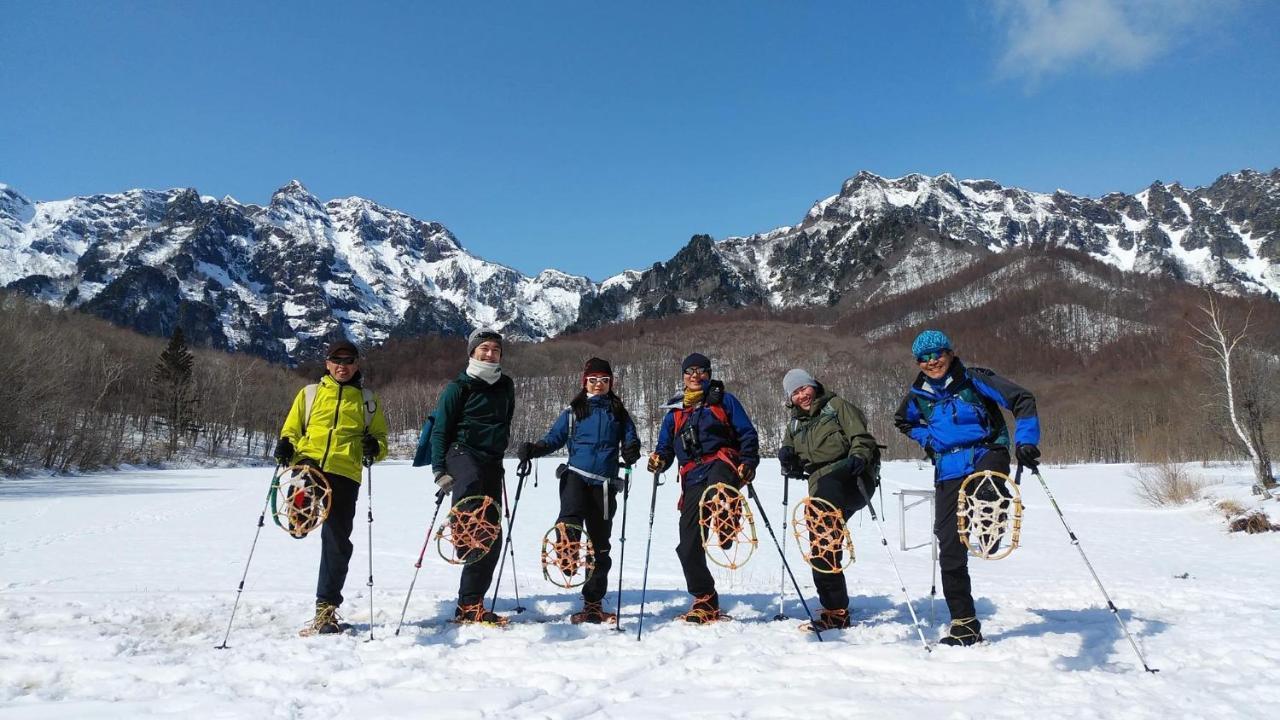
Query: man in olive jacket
(335, 425)
(468, 439)
(827, 440)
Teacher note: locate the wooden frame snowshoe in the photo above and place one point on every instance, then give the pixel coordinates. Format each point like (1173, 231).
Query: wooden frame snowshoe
(822, 536)
(300, 499)
(728, 526)
(468, 533)
(566, 550)
(989, 514)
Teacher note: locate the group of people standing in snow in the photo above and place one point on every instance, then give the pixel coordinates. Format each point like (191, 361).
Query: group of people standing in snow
(954, 412)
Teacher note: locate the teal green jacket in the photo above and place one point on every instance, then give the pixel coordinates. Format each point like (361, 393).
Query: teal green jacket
(475, 415)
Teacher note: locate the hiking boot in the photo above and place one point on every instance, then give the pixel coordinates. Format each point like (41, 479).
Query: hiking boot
(326, 621)
(592, 613)
(831, 620)
(705, 609)
(477, 615)
(963, 633)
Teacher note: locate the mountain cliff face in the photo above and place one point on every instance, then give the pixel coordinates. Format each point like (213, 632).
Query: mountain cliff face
(280, 280)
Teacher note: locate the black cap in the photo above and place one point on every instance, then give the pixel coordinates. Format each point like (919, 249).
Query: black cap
(695, 360)
(597, 366)
(342, 347)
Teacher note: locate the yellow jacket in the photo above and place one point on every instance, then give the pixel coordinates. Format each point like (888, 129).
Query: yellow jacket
(332, 435)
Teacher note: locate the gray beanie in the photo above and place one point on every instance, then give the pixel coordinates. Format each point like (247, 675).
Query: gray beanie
(481, 335)
(796, 379)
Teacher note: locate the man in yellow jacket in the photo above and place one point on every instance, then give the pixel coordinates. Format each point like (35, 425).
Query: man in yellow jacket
(335, 425)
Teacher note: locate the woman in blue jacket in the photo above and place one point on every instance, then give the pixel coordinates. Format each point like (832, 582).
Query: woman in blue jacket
(597, 430)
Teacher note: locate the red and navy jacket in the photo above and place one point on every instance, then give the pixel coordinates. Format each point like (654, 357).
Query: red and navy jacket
(957, 420)
(716, 430)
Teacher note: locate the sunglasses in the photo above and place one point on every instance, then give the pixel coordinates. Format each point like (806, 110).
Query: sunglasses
(697, 371)
(342, 360)
(600, 379)
(930, 357)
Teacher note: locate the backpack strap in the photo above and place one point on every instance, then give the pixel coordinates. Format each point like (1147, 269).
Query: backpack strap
(309, 393)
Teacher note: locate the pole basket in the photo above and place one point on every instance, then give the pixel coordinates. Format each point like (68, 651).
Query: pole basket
(989, 514)
(300, 499)
(822, 536)
(728, 526)
(469, 531)
(568, 557)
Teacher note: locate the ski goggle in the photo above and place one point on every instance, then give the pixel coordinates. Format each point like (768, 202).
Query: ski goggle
(697, 371)
(599, 379)
(342, 360)
(930, 356)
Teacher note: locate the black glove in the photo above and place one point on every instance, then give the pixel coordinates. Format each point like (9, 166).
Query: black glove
(1028, 455)
(284, 451)
(525, 452)
(789, 459)
(855, 466)
(747, 473)
(369, 444)
(631, 453)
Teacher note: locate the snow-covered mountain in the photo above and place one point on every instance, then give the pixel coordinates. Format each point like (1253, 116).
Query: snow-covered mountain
(879, 238)
(281, 279)
(276, 280)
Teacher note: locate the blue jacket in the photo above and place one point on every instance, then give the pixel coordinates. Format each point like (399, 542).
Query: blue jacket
(958, 420)
(594, 440)
(708, 434)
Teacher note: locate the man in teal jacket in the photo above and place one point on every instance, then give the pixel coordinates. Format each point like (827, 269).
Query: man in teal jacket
(468, 440)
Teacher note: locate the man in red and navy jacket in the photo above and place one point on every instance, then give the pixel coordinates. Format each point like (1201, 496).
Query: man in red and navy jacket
(712, 440)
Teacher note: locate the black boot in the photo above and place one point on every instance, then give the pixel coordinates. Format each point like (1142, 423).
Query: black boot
(593, 613)
(477, 615)
(705, 609)
(963, 633)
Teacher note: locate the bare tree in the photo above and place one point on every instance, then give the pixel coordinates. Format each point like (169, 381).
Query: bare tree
(1220, 339)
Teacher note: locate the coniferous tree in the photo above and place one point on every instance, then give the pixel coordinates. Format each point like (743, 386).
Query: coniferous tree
(174, 390)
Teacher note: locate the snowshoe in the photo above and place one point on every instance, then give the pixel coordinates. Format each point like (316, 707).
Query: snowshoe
(705, 609)
(963, 633)
(477, 615)
(828, 620)
(326, 621)
(592, 613)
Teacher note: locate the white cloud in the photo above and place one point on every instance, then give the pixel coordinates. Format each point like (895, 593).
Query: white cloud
(1045, 37)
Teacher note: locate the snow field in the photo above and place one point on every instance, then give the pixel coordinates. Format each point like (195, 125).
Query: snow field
(115, 588)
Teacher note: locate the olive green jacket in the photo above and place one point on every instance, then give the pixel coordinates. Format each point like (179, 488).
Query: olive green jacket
(832, 430)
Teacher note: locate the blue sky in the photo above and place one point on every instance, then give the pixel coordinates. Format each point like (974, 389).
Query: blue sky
(594, 137)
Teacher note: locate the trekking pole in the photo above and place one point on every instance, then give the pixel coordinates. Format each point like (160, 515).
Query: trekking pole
(508, 548)
(933, 551)
(785, 565)
(782, 581)
(644, 584)
(622, 541)
(275, 483)
(418, 565)
(884, 540)
(1035, 470)
(369, 471)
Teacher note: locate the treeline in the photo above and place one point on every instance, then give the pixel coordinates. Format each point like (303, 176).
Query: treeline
(1132, 388)
(83, 395)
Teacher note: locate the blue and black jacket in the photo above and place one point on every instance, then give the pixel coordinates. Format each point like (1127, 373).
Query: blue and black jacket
(707, 432)
(594, 440)
(957, 419)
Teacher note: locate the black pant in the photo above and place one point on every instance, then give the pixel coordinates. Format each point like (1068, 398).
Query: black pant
(953, 557)
(477, 477)
(335, 538)
(693, 559)
(583, 504)
(833, 590)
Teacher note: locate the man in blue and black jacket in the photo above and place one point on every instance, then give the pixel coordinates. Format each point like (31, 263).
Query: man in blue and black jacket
(954, 413)
(707, 431)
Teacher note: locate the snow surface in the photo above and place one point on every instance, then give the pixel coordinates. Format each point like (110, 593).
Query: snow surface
(115, 589)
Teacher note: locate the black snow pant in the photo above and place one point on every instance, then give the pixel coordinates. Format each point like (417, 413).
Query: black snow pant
(472, 476)
(693, 559)
(335, 538)
(583, 504)
(953, 557)
(833, 590)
